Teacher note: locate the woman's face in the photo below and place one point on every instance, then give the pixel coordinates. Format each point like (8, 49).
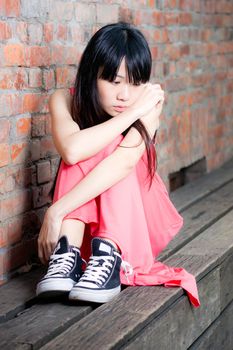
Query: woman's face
(115, 97)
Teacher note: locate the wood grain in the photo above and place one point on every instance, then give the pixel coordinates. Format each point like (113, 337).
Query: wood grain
(39, 324)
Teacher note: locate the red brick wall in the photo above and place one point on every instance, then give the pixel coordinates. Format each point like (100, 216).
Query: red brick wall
(40, 46)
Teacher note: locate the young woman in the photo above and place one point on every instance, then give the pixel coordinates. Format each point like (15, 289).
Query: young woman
(110, 206)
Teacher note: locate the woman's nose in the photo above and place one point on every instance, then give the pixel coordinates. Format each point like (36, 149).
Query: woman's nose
(123, 93)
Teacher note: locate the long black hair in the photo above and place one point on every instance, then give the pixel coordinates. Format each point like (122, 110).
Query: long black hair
(101, 59)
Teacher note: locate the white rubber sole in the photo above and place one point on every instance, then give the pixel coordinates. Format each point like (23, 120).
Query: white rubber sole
(95, 296)
(54, 286)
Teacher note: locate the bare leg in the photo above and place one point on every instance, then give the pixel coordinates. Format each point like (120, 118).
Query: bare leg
(73, 229)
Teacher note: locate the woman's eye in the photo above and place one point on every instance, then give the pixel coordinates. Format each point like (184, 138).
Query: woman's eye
(116, 82)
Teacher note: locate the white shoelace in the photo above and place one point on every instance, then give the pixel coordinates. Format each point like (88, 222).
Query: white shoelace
(98, 269)
(60, 264)
(96, 272)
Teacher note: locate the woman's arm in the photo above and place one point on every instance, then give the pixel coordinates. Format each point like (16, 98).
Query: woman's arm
(107, 173)
(75, 145)
(110, 170)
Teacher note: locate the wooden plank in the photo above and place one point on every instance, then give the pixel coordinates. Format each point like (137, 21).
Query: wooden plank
(200, 216)
(219, 335)
(17, 293)
(24, 291)
(39, 324)
(179, 326)
(136, 307)
(215, 243)
(192, 192)
(226, 276)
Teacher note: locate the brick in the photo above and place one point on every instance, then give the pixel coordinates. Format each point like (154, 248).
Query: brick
(14, 54)
(22, 175)
(4, 154)
(47, 147)
(159, 19)
(48, 32)
(184, 125)
(85, 13)
(34, 8)
(43, 172)
(35, 77)
(176, 84)
(44, 103)
(21, 31)
(48, 126)
(172, 52)
(65, 76)
(62, 11)
(2, 182)
(17, 203)
(106, 13)
(10, 8)
(37, 56)
(22, 227)
(4, 130)
(58, 54)
(10, 104)
(171, 18)
(41, 195)
(9, 184)
(35, 150)
(38, 125)
(72, 55)
(15, 230)
(5, 31)
(62, 32)
(171, 4)
(20, 254)
(185, 18)
(32, 102)
(23, 127)
(48, 79)
(35, 33)
(20, 152)
(13, 78)
(2, 262)
(78, 33)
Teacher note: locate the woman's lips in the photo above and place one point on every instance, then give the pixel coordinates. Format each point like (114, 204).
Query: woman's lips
(119, 108)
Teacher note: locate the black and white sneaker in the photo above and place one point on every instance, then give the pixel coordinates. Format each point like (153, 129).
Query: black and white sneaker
(101, 279)
(65, 269)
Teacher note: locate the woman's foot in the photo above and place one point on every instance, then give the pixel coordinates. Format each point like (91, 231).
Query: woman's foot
(65, 269)
(101, 279)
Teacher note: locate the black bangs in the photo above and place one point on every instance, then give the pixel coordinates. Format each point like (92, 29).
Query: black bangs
(134, 49)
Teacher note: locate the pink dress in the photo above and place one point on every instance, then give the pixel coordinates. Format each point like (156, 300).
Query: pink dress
(140, 221)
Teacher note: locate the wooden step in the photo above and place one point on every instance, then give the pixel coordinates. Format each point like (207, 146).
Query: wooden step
(192, 192)
(17, 294)
(20, 292)
(39, 324)
(219, 335)
(200, 216)
(142, 317)
(138, 312)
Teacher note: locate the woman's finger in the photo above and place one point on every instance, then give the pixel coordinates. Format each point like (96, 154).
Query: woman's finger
(41, 254)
